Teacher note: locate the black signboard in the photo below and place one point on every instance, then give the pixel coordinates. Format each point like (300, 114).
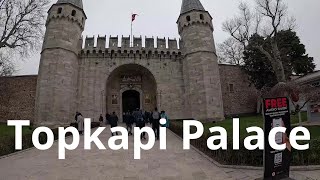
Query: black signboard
(277, 114)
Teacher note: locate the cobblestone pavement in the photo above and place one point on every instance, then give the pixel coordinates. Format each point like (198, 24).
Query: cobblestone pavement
(171, 164)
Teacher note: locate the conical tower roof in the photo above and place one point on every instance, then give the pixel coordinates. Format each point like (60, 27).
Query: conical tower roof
(189, 5)
(77, 3)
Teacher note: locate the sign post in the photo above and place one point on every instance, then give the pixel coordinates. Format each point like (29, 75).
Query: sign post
(276, 114)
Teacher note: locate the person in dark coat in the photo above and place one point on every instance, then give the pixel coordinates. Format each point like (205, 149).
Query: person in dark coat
(113, 120)
(150, 117)
(155, 122)
(107, 118)
(129, 122)
(76, 116)
(101, 120)
(147, 117)
(125, 117)
(138, 115)
(75, 123)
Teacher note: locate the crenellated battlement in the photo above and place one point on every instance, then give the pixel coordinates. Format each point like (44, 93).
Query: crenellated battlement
(68, 12)
(196, 17)
(140, 47)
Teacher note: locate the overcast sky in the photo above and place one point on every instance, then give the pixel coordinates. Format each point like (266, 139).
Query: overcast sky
(158, 18)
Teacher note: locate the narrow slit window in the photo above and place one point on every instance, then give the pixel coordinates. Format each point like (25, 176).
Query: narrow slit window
(231, 88)
(59, 10)
(188, 18)
(201, 17)
(73, 13)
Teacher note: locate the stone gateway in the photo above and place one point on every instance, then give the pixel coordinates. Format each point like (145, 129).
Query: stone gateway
(181, 77)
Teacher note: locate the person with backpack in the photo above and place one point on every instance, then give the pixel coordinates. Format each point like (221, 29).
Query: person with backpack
(113, 120)
(164, 116)
(138, 115)
(155, 123)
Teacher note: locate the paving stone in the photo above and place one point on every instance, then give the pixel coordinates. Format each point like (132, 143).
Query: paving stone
(172, 164)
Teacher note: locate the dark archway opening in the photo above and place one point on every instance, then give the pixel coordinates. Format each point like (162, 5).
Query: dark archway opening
(141, 80)
(130, 100)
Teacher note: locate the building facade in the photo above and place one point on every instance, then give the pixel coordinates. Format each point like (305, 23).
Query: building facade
(313, 106)
(181, 77)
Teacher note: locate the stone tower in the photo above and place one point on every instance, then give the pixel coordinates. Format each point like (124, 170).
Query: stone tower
(203, 97)
(59, 64)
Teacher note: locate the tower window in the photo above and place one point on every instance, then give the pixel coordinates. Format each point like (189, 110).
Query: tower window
(201, 17)
(73, 13)
(231, 88)
(59, 10)
(188, 18)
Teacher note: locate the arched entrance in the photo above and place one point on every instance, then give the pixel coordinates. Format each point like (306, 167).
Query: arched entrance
(130, 101)
(129, 87)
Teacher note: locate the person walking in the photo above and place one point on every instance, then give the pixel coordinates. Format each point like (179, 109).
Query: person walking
(76, 116)
(129, 122)
(165, 116)
(124, 117)
(140, 122)
(101, 120)
(156, 123)
(80, 121)
(150, 118)
(107, 118)
(113, 120)
(147, 117)
(75, 123)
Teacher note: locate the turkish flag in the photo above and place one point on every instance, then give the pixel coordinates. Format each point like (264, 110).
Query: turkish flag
(134, 17)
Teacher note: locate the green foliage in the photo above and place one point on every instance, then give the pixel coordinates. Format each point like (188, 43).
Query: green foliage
(248, 121)
(293, 56)
(308, 157)
(244, 156)
(7, 138)
(9, 131)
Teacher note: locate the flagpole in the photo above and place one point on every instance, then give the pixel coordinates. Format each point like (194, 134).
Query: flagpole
(131, 38)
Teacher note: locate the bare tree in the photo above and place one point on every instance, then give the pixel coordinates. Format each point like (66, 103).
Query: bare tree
(275, 12)
(6, 65)
(240, 28)
(267, 19)
(307, 92)
(21, 26)
(273, 17)
(230, 51)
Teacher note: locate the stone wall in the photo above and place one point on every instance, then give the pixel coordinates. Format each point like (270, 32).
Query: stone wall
(17, 94)
(96, 68)
(17, 98)
(58, 70)
(238, 96)
(200, 67)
